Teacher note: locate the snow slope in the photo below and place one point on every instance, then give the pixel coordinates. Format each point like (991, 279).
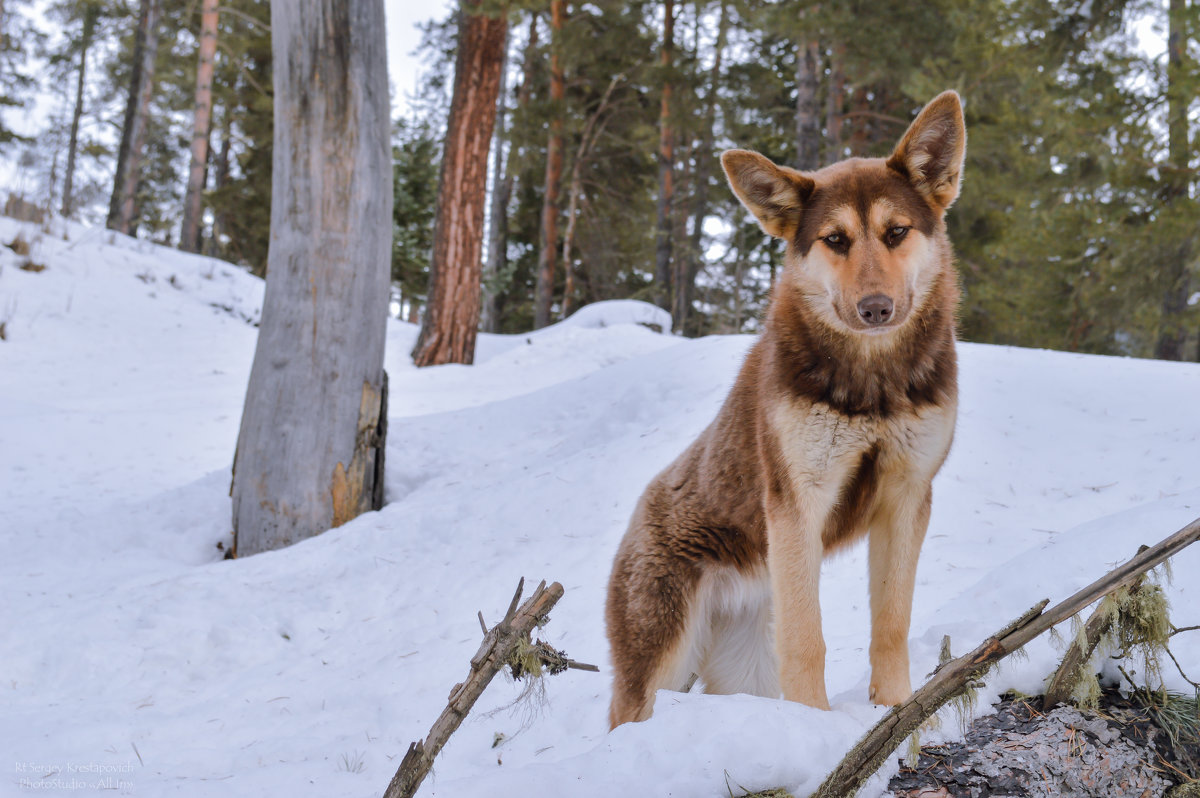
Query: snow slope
(136, 660)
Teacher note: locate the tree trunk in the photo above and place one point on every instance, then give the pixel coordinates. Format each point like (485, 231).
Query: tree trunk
(221, 178)
(835, 101)
(311, 438)
(592, 129)
(666, 164)
(498, 216)
(808, 112)
(91, 13)
(695, 255)
(544, 294)
(189, 236)
(122, 208)
(498, 234)
(1173, 334)
(451, 317)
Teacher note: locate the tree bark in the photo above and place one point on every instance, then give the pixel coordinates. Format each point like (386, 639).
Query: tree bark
(498, 216)
(666, 167)
(1173, 334)
(122, 209)
(451, 313)
(952, 678)
(311, 434)
(808, 112)
(91, 13)
(544, 293)
(189, 236)
(835, 102)
(451, 320)
(681, 316)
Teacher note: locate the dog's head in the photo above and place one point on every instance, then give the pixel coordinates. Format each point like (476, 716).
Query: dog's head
(866, 237)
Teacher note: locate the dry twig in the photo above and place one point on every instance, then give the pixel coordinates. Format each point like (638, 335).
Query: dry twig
(497, 649)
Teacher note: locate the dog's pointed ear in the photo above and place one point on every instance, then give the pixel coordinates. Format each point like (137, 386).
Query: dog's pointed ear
(932, 151)
(774, 194)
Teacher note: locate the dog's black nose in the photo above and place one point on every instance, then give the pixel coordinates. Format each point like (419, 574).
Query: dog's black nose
(876, 309)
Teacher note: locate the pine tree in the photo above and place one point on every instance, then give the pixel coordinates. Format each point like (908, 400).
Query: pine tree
(548, 253)
(1179, 265)
(415, 155)
(83, 15)
(666, 164)
(244, 124)
(123, 207)
(18, 38)
(450, 324)
(189, 236)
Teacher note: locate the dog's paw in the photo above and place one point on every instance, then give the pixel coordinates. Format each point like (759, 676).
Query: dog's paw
(890, 694)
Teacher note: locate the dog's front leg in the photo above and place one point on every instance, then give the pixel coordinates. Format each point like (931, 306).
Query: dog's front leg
(794, 554)
(895, 545)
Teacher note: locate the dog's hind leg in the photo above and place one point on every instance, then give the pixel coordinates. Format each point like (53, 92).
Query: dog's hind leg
(653, 626)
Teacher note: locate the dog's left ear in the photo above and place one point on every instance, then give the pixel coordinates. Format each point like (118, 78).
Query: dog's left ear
(932, 151)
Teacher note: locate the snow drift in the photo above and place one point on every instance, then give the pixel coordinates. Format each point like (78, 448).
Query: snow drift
(137, 659)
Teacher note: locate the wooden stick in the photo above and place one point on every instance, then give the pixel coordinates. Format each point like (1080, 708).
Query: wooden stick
(1070, 669)
(949, 681)
(498, 645)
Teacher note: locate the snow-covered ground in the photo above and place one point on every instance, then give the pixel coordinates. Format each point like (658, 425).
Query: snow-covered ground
(132, 657)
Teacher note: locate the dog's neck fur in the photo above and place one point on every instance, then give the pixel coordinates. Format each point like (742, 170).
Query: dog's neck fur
(917, 367)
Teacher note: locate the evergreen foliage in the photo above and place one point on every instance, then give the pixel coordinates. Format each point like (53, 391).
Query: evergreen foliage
(1077, 227)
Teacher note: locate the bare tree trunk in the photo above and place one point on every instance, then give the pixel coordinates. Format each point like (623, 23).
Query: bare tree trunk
(91, 13)
(122, 208)
(1173, 333)
(666, 167)
(685, 292)
(498, 216)
(311, 440)
(544, 293)
(835, 101)
(808, 112)
(451, 318)
(189, 236)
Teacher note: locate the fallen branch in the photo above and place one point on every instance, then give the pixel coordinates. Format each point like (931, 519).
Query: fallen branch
(498, 647)
(1071, 669)
(952, 679)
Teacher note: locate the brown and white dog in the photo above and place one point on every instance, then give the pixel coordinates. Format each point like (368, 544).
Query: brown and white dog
(841, 415)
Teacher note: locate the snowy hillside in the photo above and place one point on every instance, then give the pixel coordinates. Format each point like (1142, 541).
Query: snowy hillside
(135, 658)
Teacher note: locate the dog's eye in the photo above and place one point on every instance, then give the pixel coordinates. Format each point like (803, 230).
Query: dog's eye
(896, 234)
(836, 241)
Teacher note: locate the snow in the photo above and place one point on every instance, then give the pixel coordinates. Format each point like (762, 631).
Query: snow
(136, 659)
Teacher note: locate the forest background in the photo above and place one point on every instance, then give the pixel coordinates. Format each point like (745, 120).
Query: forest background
(1078, 227)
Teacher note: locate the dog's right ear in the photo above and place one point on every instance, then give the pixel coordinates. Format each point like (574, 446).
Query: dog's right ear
(774, 194)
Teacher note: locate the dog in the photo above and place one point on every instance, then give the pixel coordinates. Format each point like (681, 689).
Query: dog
(840, 417)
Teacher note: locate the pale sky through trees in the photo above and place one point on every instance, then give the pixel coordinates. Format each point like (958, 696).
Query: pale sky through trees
(402, 40)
